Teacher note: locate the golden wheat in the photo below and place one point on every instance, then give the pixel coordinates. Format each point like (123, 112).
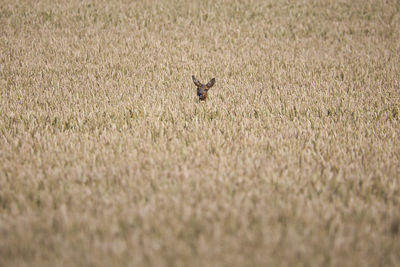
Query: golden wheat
(107, 158)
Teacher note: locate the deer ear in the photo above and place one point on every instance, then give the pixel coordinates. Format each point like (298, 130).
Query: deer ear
(196, 82)
(211, 83)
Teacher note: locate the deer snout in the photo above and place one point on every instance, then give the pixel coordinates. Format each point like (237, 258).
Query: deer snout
(202, 94)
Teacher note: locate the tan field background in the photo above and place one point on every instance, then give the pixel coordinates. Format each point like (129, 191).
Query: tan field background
(108, 159)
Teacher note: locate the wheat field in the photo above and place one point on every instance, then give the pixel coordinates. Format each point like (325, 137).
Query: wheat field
(108, 158)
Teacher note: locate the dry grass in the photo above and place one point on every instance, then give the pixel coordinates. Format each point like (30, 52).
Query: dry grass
(108, 159)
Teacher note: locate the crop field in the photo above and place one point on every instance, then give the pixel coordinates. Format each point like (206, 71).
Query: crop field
(108, 158)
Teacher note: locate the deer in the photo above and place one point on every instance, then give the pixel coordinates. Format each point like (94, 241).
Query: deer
(202, 89)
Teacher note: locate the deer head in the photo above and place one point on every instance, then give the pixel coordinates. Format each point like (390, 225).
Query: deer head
(202, 89)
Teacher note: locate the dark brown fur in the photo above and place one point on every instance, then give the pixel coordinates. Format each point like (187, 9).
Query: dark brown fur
(202, 89)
